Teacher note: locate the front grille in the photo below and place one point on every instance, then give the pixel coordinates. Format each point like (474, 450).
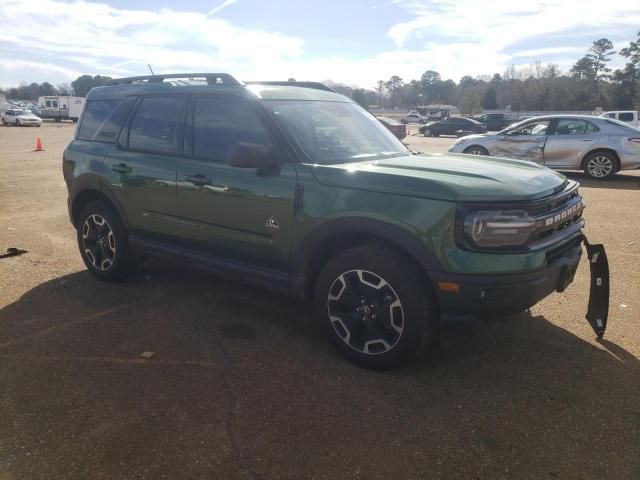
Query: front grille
(555, 215)
(560, 251)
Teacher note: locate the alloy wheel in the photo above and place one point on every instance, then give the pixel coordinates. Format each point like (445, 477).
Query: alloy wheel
(98, 242)
(600, 166)
(365, 312)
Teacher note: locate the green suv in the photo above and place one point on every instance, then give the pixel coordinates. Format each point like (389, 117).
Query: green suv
(292, 187)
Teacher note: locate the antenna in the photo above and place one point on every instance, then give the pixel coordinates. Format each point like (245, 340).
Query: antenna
(151, 69)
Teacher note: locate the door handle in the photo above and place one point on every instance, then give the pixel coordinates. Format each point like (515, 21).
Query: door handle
(198, 180)
(121, 168)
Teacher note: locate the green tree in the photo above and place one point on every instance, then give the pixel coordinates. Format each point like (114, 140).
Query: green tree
(429, 82)
(583, 69)
(489, 99)
(359, 96)
(600, 53)
(84, 83)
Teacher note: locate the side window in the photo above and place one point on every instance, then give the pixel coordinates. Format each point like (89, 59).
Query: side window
(571, 127)
(48, 103)
(533, 128)
(591, 128)
(626, 117)
(54, 104)
(610, 115)
(102, 120)
(221, 121)
(155, 125)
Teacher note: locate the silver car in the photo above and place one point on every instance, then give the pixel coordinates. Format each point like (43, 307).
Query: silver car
(599, 146)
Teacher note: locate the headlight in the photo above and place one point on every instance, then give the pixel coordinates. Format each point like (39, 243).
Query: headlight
(490, 228)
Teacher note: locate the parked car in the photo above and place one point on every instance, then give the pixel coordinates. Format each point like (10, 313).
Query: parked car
(600, 146)
(20, 118)
(451, 126)
(395, 127)
(301, 191)
(628, 116)
(413, 118)
(495, 121)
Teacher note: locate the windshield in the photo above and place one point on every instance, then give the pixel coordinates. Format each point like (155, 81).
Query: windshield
(335, 132)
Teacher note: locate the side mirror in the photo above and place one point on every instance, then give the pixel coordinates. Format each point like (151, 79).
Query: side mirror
(250, 155)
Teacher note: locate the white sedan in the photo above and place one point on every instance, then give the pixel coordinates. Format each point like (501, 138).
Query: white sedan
(20, 118)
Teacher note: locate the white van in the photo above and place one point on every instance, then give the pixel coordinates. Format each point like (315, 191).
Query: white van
(627, 116)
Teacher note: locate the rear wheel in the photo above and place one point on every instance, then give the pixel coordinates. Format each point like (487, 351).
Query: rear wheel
(103, 242)
(476, 150)
(600, 165)
(376, 307)
(18, 123)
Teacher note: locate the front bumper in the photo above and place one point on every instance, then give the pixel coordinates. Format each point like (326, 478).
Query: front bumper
(485, 296)
(504, 294)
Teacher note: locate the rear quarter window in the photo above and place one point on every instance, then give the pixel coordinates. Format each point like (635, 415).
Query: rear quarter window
(626, 117)
(103, 119)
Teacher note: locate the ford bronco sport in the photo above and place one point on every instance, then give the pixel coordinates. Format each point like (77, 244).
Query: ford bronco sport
(292, 187)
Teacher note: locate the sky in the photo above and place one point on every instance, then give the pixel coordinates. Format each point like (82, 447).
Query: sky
(356, 42)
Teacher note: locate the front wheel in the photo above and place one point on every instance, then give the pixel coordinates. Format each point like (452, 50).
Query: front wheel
(377, 308)
(476, 150)
(600, 165)
(18, 123)
(103, 242)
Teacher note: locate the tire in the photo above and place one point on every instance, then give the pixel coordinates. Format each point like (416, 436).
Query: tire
(403, 121)
(354, 291)
(435, 134)
(108, 256)
(4, 122)
(601, 165)
(476, 150)
(18, 123)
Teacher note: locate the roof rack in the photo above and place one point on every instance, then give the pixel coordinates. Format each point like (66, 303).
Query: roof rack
(212, 79)
(292, 83)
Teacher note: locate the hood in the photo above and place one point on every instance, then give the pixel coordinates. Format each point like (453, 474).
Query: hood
(452, 177)
(30, 116)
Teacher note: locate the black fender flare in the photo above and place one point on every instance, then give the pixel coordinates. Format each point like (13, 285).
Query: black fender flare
(92, 184)
(302, 256)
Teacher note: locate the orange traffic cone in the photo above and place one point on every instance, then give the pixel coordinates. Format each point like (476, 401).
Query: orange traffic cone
(39, 146)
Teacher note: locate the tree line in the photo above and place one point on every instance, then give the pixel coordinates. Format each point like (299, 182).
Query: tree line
(79, 87)
(589, 84)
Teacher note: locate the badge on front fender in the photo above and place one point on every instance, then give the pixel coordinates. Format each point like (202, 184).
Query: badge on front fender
(598, 310)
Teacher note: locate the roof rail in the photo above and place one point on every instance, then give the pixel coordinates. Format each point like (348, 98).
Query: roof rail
(292, 83)
(212, 79)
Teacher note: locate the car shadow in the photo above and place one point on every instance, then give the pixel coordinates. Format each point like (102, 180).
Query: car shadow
(620, 181)
(521, 394)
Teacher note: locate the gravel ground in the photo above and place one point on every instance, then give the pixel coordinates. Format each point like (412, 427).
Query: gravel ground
(242, 384)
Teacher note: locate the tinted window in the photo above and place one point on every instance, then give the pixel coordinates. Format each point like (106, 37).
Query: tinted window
(220, 122)
(48, 103)
(626, 117)
(571, 127)
(155, 125)
(102, 120)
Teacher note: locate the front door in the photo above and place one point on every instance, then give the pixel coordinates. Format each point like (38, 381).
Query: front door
(527, 142)
(240, 214)
(570, 141)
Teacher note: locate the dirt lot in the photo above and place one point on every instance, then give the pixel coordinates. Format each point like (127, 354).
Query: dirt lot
(244, 386)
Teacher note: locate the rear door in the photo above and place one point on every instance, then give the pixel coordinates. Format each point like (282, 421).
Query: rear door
(142, 166)
(568, 142)
(231, 213)
(526, 142)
